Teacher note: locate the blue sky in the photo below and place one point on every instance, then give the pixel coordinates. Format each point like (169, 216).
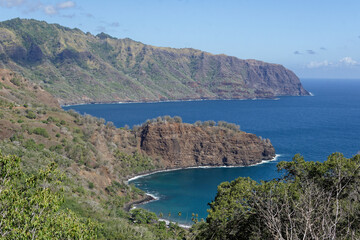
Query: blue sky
(315, 39)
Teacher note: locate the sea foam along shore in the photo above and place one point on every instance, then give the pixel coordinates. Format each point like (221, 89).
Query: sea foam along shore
(180, 225)
(168, 221)
(176, 169)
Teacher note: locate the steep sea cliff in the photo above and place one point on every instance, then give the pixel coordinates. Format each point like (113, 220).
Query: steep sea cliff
(78, 67)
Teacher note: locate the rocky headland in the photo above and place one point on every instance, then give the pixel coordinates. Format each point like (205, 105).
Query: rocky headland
(179, 145)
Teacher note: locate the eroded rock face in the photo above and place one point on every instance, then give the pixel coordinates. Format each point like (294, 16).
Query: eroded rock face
(186, 145)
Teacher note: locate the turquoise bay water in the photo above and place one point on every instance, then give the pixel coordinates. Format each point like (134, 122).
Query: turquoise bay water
(313, 126)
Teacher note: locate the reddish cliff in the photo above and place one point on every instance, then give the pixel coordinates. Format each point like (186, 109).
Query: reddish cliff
(185, 145)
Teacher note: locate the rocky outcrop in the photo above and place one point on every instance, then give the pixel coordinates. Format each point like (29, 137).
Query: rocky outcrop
(186, 145)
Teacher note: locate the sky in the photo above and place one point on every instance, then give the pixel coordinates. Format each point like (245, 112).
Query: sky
(315, 39)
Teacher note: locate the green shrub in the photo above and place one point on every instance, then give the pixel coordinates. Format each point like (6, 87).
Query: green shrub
(16, 137)
(136, 162)
(142, 216)
(177, 119)
(77, 130)
(80, 189)
(51, 119)
(56, 148)
(30, 114)
(115, 187)
(30, 205)
(40, 131)
(31, 145)
(15, 81)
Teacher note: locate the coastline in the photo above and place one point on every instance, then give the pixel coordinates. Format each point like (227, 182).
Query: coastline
(180, 225)
(150, 197)
(191, 167)
(173, 101)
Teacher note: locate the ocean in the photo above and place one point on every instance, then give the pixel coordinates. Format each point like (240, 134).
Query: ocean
(314, 126)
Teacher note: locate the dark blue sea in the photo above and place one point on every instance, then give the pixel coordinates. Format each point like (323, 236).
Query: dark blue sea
(313, 126)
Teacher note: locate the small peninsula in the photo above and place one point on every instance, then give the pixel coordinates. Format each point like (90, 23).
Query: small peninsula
(203, 144)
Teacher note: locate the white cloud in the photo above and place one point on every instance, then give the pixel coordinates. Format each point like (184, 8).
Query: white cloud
(344, 62)
(324, 63)
(50, 10)
(11, 3)
(32, 6)
(348, 61)
(67, 4)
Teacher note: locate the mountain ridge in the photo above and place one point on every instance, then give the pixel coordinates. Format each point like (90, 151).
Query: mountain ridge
(78, 67)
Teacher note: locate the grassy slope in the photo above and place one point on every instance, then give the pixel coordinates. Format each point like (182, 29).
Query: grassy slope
(78, 67)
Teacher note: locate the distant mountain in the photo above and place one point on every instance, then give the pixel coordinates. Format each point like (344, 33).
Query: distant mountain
(79, 67)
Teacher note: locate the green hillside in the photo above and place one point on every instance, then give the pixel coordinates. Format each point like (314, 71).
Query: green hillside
(94, 160)
(79, 67)
(63, 176)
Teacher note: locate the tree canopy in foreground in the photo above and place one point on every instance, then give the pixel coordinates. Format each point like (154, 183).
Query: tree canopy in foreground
(30, 205)
(312, 200)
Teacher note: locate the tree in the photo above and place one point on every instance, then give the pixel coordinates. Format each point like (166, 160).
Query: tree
(177, 119)
(142, 216)
(30, 205)
(311, 201)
